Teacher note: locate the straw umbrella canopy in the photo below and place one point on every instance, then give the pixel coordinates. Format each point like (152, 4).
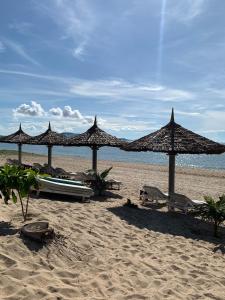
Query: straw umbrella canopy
(95, 138)
(19, 138)
(174, 139)
(49, 138)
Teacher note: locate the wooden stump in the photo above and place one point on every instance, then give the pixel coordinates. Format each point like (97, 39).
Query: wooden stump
(38, 231)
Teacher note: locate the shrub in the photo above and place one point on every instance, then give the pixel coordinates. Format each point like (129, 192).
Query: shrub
(98, 181)
(16, 183)
(213, 211)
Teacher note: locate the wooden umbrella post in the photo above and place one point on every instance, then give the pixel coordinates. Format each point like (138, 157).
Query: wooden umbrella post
(172, 159)
(94, 158)
(172, 162)
(49, 156)
(20, 153)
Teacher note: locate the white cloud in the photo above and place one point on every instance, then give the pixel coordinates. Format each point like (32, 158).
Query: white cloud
(79, 51)
(68, 119)
(187, 113)
(124, 90)
(2, 47)
(217, 92)
(122, 124)
(19, 49)
(33, 110)
(21, 27)
(74, 18)
(56, 111)
(185, 11)
(66, 80)
(68, 113)
(109, 89)
(213, 120)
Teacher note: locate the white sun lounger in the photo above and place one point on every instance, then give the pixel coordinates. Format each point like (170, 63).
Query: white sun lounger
(64, 187)
(152, 193)
(183, 203)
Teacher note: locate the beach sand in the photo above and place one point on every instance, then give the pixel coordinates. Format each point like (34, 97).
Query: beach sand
(103, 250)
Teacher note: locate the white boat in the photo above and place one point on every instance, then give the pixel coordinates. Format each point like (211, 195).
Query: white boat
(65, 187)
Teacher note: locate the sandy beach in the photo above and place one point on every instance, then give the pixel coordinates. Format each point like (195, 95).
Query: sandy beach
(106, 251)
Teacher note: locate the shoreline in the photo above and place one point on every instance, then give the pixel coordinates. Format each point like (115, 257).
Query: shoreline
(13, 153)
(209, 162)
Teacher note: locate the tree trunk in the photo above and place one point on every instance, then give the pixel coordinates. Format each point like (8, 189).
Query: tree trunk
(21, 203)
(28, 198)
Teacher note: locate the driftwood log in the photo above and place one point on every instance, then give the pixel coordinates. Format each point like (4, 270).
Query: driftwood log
(39, 231)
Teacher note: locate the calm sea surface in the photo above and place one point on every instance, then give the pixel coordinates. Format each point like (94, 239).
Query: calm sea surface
(107, 153)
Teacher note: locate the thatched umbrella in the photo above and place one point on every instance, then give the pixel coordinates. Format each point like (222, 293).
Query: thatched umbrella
(19, 138)
(49, 138)
(95, 138)
(174, 139)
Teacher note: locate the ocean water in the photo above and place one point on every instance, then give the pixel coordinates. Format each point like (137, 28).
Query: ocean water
(108, 153)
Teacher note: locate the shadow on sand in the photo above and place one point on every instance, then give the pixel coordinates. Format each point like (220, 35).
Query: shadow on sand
(32, 245)
(6, 228)
(173, 223)
(67, 198)
(107, 197)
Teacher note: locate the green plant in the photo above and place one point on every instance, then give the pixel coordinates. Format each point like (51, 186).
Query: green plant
(213, 211)
(98, 181)
(16, 183)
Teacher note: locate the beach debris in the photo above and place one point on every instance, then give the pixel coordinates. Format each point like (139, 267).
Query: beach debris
(39, 231)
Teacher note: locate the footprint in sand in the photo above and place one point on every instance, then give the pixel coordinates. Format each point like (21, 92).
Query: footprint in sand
(184, 257)
(6, 262)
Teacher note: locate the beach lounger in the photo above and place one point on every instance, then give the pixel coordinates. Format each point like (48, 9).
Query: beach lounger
(152, 193)
(183, 203)
(10, 161)
(56, 172)
(113, 184)
(64, 187)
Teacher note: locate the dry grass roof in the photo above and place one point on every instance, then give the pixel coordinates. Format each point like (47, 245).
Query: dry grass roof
(19, 137)
(95, 137)
(173, 138)
(49, 138)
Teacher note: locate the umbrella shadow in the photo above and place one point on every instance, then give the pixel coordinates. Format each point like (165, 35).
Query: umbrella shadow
(108, 196)
(154, 205)
(173, 223)
(6, 228)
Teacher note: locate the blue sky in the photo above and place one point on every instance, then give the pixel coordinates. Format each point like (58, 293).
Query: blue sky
(126, 61)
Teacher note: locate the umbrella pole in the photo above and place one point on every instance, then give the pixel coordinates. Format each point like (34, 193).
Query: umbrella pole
(94, 158)
(20, 153)
(49, 156)
(172, 159)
